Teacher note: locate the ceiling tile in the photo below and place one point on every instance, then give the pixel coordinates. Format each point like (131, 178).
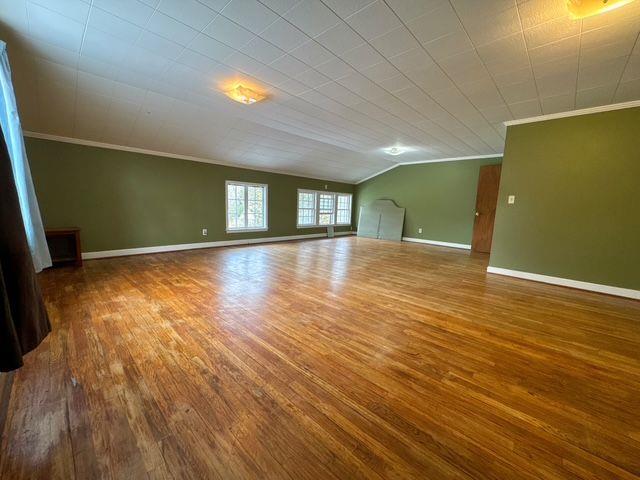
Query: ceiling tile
(228, 32)
(558, 103)
(395, 42)
(289, 65)
(160, 45)
(210, 47)
(77, 10)
(312, 53)
(627, 91)
(597, 75)
(344, 8)
(530, 108)
(435, 24)
(485, 27)
(374, 20)
(284, 35)
(335, 68)
(504, 55)
(171, 29)
(131, 10)
(596, 96)
(54, 28)
(189, 12)
(551, 31)
(339, 39)
(535, 12)
(362, 57)
(312, 17)
(113, 25)
(449, 45)
(262, 50)
(250, 14)
(407, 10)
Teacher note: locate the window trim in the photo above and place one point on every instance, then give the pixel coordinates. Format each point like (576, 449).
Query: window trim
(246, 206)
(317, 208)
(350, 195)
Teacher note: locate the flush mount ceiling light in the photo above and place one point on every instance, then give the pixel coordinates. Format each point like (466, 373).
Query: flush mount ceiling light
(396, 150)
(587, 8)
(244, 95)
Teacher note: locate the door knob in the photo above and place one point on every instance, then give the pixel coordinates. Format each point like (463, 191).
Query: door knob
(477, 214)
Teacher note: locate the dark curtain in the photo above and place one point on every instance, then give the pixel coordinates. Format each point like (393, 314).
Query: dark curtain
(23, 318)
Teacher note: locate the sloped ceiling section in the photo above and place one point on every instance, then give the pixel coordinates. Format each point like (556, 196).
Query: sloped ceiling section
(345, 78)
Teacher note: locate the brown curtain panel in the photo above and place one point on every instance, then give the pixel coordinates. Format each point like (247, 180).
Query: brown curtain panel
(23, 318)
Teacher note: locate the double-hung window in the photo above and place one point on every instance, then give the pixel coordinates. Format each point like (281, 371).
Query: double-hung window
(319, 208)
(246, 207)
(343, 209)
(306, 208)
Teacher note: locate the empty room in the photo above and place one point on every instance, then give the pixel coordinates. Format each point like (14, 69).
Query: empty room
(320, 239)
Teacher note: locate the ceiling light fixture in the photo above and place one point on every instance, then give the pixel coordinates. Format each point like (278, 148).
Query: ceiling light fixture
(244, 95)
(396, 150)
(587, 8)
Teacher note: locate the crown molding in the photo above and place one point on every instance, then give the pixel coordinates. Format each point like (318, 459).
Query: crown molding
(144, 151)
(435, 160)
(574, 113)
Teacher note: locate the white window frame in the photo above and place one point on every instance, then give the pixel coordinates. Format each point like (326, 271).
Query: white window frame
(246, 206)
(317, 194)
(350, 207)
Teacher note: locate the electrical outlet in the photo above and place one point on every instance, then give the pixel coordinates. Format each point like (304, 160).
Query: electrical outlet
(511, 199)
(420, 230)
(205, 232)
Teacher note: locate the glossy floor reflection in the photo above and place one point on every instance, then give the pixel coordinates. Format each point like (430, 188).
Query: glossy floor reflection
(335, 358)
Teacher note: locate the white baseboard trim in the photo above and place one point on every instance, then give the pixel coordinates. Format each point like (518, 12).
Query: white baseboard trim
(566, 282)
(193, 246)
(463, 246)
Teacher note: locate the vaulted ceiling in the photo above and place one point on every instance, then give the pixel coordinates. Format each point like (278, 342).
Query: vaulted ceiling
(345, 78)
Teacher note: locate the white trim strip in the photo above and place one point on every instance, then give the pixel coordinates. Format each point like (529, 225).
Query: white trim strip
(193, 246)
(124, 148)
(463, 246)
(575, 113)
(435, 160)
(566, 282)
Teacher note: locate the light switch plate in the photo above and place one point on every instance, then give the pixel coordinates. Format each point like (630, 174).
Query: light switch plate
(205, 232)
(420, 230)
(511, 199)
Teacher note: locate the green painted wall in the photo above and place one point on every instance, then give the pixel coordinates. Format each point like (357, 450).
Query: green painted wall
(127, 200)
(577, 209)
(439, 197)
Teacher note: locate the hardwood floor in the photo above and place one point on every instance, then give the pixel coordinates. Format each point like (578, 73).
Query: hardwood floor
(327, 359)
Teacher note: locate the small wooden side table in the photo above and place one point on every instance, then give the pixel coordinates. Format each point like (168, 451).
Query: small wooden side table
(64, 245)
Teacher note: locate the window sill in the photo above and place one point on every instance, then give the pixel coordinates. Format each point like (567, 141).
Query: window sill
(247, 230)
(324, 226)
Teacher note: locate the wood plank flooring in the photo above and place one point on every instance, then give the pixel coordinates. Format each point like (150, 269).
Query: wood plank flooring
(326, 359)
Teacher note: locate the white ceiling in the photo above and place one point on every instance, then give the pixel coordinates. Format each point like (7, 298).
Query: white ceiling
(346, 78)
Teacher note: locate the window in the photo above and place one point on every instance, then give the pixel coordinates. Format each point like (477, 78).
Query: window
(246, 207)
(325, 212)
(343, 210)
(306, 208)
(318, 209)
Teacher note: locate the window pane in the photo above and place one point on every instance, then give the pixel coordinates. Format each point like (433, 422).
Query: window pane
(239, 212)
(306, 208)
(343, 213)
(246, 206)
(326, 202)
(324, 219)
(326, 205)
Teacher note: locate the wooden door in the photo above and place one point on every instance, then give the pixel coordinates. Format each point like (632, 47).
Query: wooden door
(486, 202)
